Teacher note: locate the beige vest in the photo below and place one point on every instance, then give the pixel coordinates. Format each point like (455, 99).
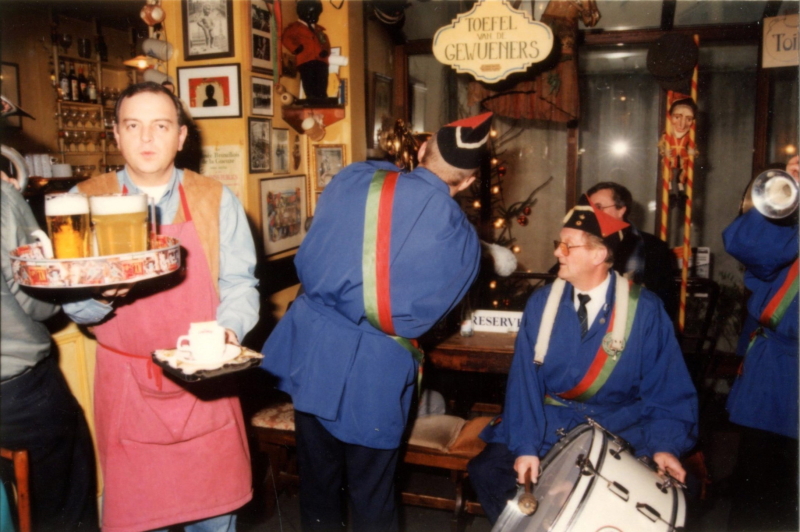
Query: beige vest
(204, 196)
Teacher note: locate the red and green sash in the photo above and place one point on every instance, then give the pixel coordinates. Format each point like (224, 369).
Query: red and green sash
(776, 308)
(376, 259)
(604, 363)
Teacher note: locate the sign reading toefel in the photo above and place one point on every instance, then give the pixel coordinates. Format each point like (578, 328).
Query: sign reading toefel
(492, 41)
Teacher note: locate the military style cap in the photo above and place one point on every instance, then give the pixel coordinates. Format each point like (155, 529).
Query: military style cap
(586, 217)
(464, 142)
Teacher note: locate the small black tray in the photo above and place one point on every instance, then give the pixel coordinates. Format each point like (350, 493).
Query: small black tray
(190, 372)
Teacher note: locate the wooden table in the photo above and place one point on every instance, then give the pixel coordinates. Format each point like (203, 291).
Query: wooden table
(483, 352)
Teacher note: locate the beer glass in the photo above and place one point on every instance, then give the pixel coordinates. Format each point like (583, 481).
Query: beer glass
(120, 223)
(67, 218)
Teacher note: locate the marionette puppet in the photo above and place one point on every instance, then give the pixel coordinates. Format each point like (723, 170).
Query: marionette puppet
(309, 42)
(677, 147)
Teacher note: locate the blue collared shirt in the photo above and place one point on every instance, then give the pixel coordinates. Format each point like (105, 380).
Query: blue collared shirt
(239, 301)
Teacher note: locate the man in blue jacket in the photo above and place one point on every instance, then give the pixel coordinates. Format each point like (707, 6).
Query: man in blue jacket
(388, 255)
(764, 398)
(569, 328)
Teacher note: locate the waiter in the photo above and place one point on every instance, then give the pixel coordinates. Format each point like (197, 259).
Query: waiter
(170, 456)
(388, 255)
(591, 317)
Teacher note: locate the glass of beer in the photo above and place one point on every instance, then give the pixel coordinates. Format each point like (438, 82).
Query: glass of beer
(120, 223)
(67, 218)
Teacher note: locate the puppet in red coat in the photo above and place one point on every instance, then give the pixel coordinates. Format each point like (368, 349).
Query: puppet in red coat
(308, 41)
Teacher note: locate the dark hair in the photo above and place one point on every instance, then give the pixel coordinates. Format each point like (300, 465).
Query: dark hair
(622, 196)
(688, 102)
(155, 88)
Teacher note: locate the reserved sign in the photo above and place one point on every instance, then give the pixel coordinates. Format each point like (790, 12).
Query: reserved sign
(500, 321)
(492, 41)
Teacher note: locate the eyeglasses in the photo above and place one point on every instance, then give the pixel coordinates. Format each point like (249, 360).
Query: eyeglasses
(564, 247)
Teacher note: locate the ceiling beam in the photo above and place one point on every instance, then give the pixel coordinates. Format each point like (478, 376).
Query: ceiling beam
(772, 8)
(668, 8)
(716, 33)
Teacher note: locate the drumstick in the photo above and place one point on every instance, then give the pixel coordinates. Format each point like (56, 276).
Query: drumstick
(527, 503)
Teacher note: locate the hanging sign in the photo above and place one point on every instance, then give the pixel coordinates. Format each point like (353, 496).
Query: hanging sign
(492, 41)
(780, 46)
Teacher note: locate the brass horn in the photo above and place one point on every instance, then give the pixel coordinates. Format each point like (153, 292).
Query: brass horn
(775, 194)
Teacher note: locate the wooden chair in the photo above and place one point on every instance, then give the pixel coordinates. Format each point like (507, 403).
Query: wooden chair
(444, 442)
(23, 497)
(698, 340)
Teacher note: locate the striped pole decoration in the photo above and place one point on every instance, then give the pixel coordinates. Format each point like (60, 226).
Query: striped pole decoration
(687, 220)
(666, 175)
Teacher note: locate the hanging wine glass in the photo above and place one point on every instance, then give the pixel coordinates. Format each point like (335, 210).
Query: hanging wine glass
(65, 41)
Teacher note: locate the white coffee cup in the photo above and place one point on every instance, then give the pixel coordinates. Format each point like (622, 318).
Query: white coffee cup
(205, 341)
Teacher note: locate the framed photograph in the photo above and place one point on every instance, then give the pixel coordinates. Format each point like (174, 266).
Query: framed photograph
(326, 161)
(211, 91)
(10, 87)
(260, 141)
(262, 35)
(283, 208)
(207, 29)
(379, 107)
(262, 96)
(280, 151)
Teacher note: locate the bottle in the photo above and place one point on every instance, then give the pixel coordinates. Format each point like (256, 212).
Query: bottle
(82, 83)
(74, 90)
(102, 49)
(91, 88)
(63, 83)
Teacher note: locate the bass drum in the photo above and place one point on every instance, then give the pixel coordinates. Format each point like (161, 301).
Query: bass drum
(592, 482)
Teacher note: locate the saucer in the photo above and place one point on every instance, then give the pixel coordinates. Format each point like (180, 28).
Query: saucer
(230, 352)
(178, 364)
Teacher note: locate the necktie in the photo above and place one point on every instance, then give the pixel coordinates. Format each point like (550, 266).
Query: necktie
(582, 314)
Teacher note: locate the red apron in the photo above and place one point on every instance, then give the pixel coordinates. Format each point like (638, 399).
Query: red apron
(168, 456)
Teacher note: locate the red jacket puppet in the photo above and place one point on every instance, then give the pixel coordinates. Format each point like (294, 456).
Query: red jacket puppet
(308, 41)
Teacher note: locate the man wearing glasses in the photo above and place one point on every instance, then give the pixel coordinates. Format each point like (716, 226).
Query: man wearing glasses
(644, 393)
(641, 257)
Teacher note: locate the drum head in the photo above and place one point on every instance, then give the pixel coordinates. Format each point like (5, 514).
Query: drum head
(556, 484)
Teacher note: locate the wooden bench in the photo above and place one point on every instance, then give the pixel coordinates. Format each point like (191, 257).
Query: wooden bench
(442, 442)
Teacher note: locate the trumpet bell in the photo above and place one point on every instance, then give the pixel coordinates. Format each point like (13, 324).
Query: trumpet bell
(775, 194)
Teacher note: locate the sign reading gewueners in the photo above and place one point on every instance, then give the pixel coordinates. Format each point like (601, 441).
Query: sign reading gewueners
(492, 41)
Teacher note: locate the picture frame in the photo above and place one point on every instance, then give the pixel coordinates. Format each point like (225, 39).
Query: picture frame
(283, 213)
(326, 161)
(262, 32)
(280, 151)
(262, 96)
(10, 87)
(207, 29)
(380, 106)
(218, 83)
(259, 136)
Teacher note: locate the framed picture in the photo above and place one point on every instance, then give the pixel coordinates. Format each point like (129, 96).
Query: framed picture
(10, 88)
(207, 29)
(280, 151)
(260, 140)
(283, 208)
(262, 35)
(380, 107)
(211, 91)
(262, 96)
(326, 161)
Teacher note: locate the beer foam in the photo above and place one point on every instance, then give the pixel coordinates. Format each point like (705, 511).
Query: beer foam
(65, 204)
(118, 204)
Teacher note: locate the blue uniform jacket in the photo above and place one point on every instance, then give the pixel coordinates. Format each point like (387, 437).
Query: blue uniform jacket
(649, 398)
(326, 355)
(765, 395)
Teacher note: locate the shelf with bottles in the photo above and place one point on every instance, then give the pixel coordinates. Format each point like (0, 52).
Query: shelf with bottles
(78, 86)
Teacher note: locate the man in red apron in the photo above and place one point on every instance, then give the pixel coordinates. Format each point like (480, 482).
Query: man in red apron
(170, 453)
